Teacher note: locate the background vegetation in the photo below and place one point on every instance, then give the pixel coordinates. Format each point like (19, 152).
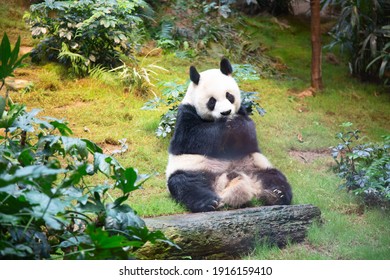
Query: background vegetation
(296, 133)
(363, 31)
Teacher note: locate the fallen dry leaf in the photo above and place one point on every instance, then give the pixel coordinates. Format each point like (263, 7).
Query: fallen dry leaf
(307, 93)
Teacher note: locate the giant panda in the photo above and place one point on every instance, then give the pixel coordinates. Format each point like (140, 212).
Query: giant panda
(214, 158)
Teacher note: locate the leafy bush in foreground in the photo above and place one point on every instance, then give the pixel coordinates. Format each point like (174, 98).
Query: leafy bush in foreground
(48, 207)
(86, 33)
(364, 168)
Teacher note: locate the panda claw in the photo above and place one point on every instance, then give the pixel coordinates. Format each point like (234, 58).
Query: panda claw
(207, 206)
(220, 205)
(214, 205)
(277, 191)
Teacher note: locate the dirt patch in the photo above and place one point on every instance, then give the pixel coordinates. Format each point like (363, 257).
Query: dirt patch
(23, 50)
(316, 248)
(111, 146)
(310, 156)
(351, 209)
(76, 104)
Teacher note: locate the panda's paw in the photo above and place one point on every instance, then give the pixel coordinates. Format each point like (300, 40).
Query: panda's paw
(215, 204)
(212, 205)
(278, 193)
(221, 204)
(208, 205)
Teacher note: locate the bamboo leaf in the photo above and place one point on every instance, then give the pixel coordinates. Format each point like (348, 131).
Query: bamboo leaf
(373, 45)
(382, 68)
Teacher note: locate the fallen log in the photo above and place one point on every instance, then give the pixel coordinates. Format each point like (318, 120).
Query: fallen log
(229, 234)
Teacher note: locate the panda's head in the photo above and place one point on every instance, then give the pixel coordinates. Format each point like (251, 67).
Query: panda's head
(214, 93)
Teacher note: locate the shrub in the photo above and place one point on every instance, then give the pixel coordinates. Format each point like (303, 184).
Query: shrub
(48, 207)
(195, 24)
(212, 28)
(138, 78)
(172, 94)
(364, 168)
(362, 31)
(87, 33)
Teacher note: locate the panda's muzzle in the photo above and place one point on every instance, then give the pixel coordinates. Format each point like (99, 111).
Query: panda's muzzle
(226, 113)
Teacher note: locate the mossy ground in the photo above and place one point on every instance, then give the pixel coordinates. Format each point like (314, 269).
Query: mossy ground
(102, 110)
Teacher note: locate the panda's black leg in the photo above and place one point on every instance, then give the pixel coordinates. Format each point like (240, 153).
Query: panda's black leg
(275, 188)
(193, 189)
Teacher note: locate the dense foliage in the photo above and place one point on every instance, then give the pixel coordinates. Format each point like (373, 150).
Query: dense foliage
(193, 25)
(363, 32)
(89, 36)
(48, 206)
(365, 168)
(83, 34)
(191, 28)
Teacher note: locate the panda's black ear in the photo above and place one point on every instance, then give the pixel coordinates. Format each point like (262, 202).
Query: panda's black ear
(194, 75)
(226, 67)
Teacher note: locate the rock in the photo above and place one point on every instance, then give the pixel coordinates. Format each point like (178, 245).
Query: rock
(17, 84)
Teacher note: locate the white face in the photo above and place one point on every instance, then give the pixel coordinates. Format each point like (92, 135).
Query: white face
(217, 95)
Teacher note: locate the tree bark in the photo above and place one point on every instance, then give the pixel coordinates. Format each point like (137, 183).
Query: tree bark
(316, 72)
(229, 234)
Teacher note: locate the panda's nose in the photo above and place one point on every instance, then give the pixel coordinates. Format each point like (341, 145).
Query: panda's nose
(226, 113)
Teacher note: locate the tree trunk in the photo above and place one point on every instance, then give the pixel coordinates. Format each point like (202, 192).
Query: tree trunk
(316, 73)
(229, 234)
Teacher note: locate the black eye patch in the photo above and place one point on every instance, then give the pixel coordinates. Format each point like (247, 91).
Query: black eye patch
(230, 97)
(211, 103)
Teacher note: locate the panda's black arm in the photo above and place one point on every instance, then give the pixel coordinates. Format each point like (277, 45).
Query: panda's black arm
(240, 137)
(219, 139)
(242, 111)
(193, 135)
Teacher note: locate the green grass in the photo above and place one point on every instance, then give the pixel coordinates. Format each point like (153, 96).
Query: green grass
(339, 237)
(101, 110)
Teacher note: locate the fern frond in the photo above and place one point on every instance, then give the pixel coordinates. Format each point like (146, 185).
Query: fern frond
(78, 63)
(98, 71)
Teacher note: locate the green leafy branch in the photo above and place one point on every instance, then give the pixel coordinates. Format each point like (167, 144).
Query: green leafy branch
(9, 59)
